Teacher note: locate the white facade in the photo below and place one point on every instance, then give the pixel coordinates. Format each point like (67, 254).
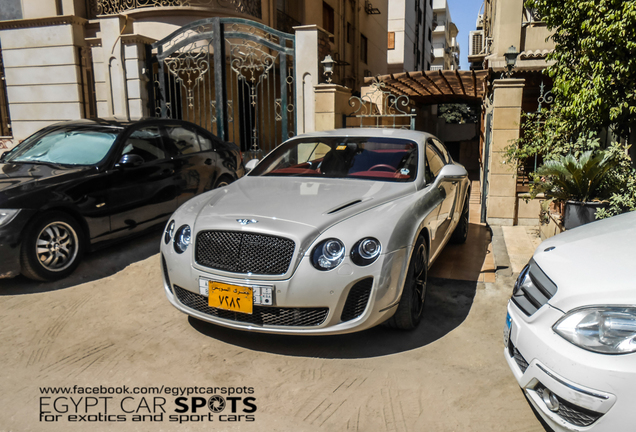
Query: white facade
(445, 45)
(409, 26)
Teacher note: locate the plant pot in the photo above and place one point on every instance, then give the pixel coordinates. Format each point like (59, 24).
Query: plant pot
(579, 213)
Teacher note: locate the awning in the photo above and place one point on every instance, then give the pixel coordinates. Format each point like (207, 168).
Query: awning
(435, 87)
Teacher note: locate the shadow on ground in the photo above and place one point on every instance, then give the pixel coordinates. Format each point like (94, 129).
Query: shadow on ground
(447, 305)
(97, 265)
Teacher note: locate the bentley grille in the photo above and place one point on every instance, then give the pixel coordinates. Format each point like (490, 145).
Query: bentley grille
(262, 315)
(239, 252)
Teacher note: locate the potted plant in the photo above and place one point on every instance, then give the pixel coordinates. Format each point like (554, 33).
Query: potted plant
(583, 184)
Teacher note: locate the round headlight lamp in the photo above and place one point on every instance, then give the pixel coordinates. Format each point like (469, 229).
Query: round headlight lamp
(366, 251)
(328, 254)
(169, 232)
(182, 239)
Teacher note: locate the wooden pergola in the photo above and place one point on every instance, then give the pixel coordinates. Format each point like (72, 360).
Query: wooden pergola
(436, 87)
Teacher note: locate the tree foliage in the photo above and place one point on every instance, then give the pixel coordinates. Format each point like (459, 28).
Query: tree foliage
(595, 62)
(459, 113)
(594, 87)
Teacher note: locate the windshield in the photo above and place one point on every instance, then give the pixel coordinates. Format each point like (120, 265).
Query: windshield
(385, 159)
(66, 146)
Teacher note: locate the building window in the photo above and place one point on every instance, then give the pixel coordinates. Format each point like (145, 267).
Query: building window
(430, 34)
(5, 120)
(391, 41)
(363, 48)
(349, 33)
(328, 22)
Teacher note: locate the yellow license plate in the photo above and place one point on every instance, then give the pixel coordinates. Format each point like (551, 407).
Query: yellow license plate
(230, 297)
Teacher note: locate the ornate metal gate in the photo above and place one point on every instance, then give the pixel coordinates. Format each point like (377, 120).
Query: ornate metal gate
(232, 76)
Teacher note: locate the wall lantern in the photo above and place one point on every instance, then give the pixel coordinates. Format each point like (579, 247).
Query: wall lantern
(328, 64)
(511, 59)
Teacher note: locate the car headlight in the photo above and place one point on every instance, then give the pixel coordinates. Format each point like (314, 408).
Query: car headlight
(182, 239)
(602, 329)
(169, 232)
(328, 254)
(366, 251)
(7, 215)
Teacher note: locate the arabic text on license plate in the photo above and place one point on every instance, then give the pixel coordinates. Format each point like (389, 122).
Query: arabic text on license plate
(507, 328)
(230, 297)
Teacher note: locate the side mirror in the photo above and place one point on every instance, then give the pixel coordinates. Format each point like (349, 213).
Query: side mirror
(452, 173)
(251, 165)
(129, 161)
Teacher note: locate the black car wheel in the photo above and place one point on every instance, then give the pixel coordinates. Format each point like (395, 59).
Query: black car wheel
(52, 248)
(409, 311)
(460, 234)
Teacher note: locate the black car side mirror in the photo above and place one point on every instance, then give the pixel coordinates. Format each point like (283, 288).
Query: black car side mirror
(129, 161)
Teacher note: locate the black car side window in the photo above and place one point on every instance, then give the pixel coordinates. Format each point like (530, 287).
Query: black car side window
(145, 142)
(182, 140)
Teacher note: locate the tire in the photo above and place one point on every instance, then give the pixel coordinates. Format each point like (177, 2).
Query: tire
(460, 234)
(411, 307)
(223, 181)
(52, 247)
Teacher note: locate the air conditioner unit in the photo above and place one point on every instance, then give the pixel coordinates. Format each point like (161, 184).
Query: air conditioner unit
(480, 22)
(476, 42)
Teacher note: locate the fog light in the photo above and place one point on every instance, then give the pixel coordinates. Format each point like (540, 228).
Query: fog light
(550, 400)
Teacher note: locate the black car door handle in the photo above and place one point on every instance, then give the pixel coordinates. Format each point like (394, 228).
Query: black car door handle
(208, 161)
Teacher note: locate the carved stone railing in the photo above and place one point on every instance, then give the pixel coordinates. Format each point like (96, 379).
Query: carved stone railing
(114, 7)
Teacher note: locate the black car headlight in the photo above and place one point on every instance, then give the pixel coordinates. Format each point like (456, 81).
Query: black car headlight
(328, 254)
(169, 232)
(182, 239)
(366, 251)
(602, 329)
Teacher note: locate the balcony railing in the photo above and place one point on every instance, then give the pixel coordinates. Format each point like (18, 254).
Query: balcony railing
(284, 22)
(114, 7)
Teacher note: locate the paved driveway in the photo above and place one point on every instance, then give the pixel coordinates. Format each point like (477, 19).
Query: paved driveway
(110, 327)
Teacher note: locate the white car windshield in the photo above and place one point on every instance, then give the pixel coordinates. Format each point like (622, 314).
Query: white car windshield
(371, 158)
(66, 146)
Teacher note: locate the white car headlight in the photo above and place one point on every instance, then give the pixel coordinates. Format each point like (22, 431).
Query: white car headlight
(7, 215)
(366, 251)
(328, 254)
(602, 329)
(182, 239)
(169, 233)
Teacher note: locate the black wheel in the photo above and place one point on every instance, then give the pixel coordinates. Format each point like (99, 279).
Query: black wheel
(409, 310)
(460, 234)
(223, 181)
(52, 247)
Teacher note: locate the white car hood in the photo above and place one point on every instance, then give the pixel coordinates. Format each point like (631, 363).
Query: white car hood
(593, 264)
(299, 208)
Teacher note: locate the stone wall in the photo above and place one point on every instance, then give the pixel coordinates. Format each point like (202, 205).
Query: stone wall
(42, 70)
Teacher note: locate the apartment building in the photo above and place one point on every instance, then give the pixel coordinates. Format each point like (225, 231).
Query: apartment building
(410, 35)
(444, 38)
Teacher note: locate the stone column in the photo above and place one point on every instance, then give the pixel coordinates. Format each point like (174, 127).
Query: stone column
(332, 101)
(308, 70)
(502, 184)
(136, 79)
(111, 28)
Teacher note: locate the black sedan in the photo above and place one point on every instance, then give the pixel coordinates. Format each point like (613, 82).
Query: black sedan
(75, 186)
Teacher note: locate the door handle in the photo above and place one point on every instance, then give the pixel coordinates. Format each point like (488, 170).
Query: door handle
(208, 161)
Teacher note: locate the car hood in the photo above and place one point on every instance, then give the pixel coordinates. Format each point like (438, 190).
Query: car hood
(20, 178)
(592, 264)
(300, 208)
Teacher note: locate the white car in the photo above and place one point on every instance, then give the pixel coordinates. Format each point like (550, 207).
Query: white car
(570, 332)
(332, 232)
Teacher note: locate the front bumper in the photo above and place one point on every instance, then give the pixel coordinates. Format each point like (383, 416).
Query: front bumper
(594, 391)
(311, 302)
(11, 236)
